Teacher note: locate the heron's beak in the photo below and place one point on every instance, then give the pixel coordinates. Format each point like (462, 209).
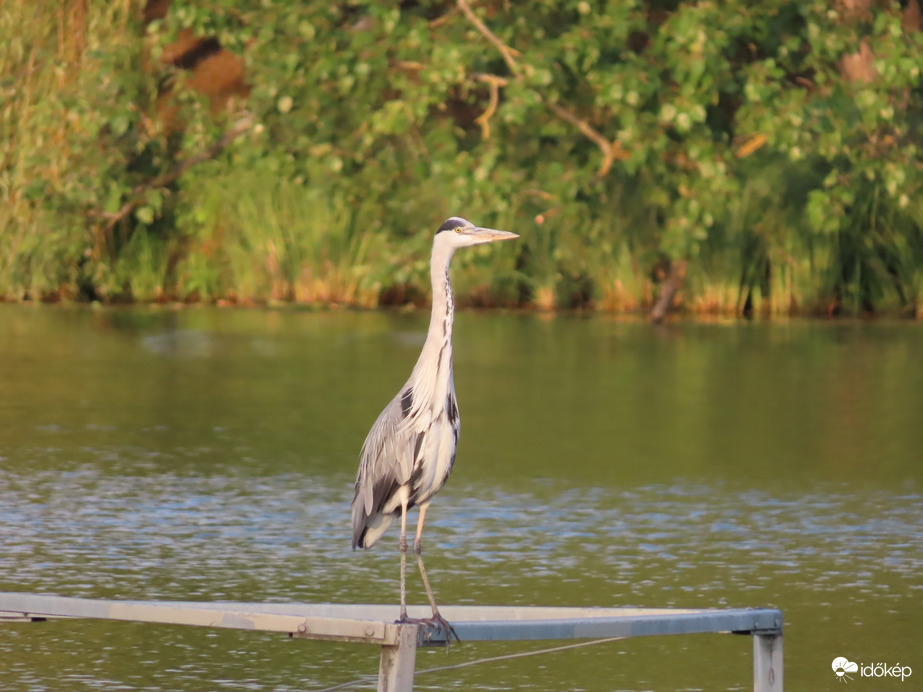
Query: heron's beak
(489, 235)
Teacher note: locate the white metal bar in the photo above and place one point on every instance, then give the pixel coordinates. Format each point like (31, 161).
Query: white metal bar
(375, 624)
(395, 672)
(368, 622)
(767, 663)
(241, 616)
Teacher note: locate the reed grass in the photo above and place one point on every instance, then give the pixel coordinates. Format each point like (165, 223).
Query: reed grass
(50, 63)
(266, 240)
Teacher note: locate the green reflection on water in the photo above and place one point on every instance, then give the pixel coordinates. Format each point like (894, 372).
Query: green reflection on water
(210, 454)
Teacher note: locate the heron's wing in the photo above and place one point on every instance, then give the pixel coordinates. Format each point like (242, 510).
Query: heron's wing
(388, 457)
(410, 445)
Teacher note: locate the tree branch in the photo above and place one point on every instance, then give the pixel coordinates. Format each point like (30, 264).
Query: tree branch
(137, 195)
(509, 54)
(484, 118)
(611, 151)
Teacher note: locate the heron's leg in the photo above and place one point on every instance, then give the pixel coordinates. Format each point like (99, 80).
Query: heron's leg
(403, 557)
(418, 549)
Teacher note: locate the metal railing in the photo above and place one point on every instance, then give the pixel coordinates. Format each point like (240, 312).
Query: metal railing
(374, 624)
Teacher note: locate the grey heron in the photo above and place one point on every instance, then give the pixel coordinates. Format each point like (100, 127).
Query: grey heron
(410, 450)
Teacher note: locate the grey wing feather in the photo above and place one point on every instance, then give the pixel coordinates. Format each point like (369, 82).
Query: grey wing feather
(386, 463)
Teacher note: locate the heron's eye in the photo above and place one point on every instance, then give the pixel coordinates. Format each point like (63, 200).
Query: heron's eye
(458, 230)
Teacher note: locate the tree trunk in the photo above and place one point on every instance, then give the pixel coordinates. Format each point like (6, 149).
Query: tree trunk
(670, 287)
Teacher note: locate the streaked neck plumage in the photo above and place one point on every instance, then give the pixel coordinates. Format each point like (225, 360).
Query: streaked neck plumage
(433, 371)
(440, 323)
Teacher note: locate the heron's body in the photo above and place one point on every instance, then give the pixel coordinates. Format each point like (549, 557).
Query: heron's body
(410, 450)
(418, 430)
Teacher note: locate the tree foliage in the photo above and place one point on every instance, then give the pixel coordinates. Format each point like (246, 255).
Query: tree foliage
(772, 150)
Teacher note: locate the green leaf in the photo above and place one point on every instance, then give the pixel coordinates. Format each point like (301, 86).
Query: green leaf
(145, 215)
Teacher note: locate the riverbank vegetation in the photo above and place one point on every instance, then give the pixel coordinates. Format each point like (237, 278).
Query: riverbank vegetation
(726, 157)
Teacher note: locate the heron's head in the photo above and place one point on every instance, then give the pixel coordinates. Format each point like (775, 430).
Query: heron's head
(458, 232)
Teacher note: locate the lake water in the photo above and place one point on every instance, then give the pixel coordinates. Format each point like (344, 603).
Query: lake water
(210, 454)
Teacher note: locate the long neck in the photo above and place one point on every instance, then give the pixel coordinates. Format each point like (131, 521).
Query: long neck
(431, 379)
(435, 362)
(440, 323)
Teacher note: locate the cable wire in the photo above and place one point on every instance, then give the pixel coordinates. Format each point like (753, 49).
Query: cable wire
(478, 661)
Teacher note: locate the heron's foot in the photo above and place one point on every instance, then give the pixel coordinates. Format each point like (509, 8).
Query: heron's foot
(436, 622)
(440, 622)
